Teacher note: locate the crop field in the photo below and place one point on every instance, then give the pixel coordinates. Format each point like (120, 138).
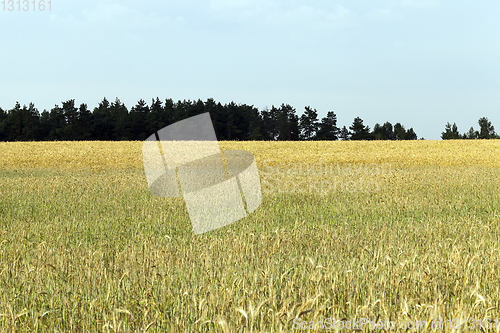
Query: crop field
(406, 232)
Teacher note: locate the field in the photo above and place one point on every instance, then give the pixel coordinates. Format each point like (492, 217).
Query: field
(404, 232)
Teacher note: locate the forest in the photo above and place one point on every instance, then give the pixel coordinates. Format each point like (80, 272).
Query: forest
(239, 122)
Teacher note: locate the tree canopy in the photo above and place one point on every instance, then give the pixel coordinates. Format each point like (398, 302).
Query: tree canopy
(114, 121)
(486, 131)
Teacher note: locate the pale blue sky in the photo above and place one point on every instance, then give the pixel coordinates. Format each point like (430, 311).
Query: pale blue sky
(422, 63)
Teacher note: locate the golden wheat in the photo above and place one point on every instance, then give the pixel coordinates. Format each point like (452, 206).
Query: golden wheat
(127, 154)
(84, 246)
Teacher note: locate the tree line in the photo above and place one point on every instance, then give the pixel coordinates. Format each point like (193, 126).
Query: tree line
(486, 131)
(114, 121)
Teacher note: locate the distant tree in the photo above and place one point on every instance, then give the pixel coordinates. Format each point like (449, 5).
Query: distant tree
(217, 114)
(156, 118)
(384, 132)
(3, 116)
(20, 124)
(328, 129)
(288, 123)
(84, 124)
(120, 119)
(255, 129)
(168, 111)
(249, 123)
(13, 123)
(102, 126)
(197, 108)
(410, 134)
(309, 123)
(182, 110)
(294, 127)
(138, 121)
(270, 129)
(471, 134)
(71, 118)
(113, 121)
(233, 130)
(31, 121)
(360, 131)
(57, 122)
(377, 132)
(44, 126)
(450, 132)
(238, 121)
(399, 131)
(389, 132)
(345, 134)
(486, 129)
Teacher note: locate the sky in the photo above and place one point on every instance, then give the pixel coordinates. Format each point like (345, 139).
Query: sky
(422, 63)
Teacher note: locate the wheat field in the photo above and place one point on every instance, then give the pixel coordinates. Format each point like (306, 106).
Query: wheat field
(403, 232)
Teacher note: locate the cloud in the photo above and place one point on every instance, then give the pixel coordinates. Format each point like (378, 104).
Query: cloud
(242, 11)
(383, 14)
(236, 4)
(315, 18)
(271, 14)
(114, 16)
(417, 4)
(396, 10)
(106, 12)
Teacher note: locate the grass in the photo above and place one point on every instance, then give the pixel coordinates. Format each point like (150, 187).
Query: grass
(84, 246)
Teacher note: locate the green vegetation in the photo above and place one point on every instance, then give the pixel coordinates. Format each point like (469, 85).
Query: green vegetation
(92, 250)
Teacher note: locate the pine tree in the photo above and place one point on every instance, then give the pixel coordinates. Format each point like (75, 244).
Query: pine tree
(410, 134)
(120, 119)
(102, 127)
(155, 116)
(44, 127)
(486, 129)
(288, 123)
(328, 129)
(309, 123)
(138, 121)
(270, 123)
(360, 131)
(399, 131)
(84, 123)
(31, 122)
(3, 116)
(471, 134)
(450, 132)
(57, 123)
(71, 118)
(383, 132)
(345, 134)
